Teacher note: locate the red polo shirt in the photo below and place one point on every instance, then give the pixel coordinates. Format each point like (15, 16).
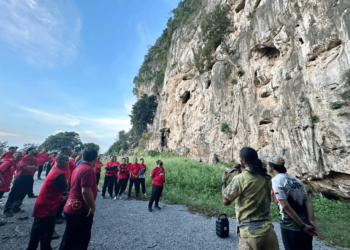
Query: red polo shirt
(158, 175)
(83, 177)
(7, 168)
(71, 166)
(67, 171)
(27, 160)
(135, 169)
(96, 169)
(113, 172)
(7, 155)
(123, 171)
(41, 158)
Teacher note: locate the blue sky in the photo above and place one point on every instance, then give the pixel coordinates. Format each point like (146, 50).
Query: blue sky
(69, 65)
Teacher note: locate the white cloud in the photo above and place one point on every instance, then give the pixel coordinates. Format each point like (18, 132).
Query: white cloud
(42, 31)
(8, 134)
(52, 118)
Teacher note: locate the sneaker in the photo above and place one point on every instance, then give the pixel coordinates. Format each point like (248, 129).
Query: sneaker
(157, 207)
(59, 221)
(150, 209)
(115, 198)
(55, 235)
(8, 214)
(145, 195)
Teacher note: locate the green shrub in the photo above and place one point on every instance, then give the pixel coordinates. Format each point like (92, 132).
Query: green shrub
(225, 127)
(227, 74)
(152, 153)
(302, 99)
(251, 15)
(232, 93)
(338, 105)
(240, 72)
(234, 81)
(315, 119)
(183, 115)
(340, 114)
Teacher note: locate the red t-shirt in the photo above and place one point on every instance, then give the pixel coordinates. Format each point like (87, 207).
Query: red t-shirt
(7, 155)
(97, 169)
(71, 166)
(67, 171)
(6, 171)
(51, 157)
(83, 177)
(123, 171)
(113, 172)
(41, 158)
(49, 197)
(27, 160)
(158, 175)
(134, 169)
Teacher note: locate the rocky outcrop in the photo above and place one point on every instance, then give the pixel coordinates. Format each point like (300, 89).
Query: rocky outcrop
(290, 99)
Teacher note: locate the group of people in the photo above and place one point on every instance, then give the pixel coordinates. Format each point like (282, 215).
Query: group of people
(70, 187)
(252, 189)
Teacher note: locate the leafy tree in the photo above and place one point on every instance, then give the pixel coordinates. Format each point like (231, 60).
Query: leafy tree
(3, 147)
(62, 139)
(91, 145)
(26, 145)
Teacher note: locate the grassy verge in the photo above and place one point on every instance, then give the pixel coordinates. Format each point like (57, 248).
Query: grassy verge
(197, 185)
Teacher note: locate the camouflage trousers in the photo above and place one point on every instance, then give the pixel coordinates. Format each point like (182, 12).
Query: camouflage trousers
(267, 242)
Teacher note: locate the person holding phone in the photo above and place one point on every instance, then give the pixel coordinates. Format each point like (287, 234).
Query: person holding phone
(158, 180)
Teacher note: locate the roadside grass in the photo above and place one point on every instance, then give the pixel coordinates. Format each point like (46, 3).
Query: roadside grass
(197, 186)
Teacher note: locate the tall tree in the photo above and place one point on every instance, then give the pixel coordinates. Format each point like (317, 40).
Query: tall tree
(62, 139)
(91, 145)
(26, 145)
(3, 147)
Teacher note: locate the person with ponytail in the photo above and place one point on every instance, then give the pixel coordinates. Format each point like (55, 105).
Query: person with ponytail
(297, 217)
(251, 190)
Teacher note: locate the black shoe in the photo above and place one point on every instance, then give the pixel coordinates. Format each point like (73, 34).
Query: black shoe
(8, 214)
(150, 209)
(111, 196)
(39, 178)
(32, 196)
(59, 221)
(157, 207)
(17, 210)
(55, 235)
(103, 196)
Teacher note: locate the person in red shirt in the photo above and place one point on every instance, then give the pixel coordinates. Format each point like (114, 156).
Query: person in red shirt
(80, 207)
(49, 162)
(158, 179)
(123, 178)
(7, 168)
(129, 166)
(110, 176)
(134, 178)
(142, 176)
(97, 170)
(72, 165)
(46, 205)
(8, 155)
(41, 159)
(24, 181)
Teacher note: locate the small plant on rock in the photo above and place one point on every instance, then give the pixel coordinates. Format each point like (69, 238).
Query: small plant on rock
(233, 81)
(227, 74)
(315, 119)
(225, 128)
(340, 114)
(240, 72)
(251, 15)
(183, 115)
(338, 105)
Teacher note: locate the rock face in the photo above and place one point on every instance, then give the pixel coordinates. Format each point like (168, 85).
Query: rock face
(296, 59)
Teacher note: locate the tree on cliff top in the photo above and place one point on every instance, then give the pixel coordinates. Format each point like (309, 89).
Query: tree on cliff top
(91, 145)
(57, 141)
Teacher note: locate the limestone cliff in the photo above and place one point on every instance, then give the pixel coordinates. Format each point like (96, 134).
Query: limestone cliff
(292, 99)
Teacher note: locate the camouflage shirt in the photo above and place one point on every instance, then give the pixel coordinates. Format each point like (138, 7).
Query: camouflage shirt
(252, 193)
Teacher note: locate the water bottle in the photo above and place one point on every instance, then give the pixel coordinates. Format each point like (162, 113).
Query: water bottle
(222, 226)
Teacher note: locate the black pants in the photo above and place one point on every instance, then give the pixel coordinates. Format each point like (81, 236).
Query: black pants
(97, 178)
(41, 232)
(40, 169)
(48, 169)
(143, 185)
(59, 210)
(78, 232)
(136, 183)
(120, 187)
(156, 193)
(1, 194)
(296, 240)
(127, 180)
(19, 190)
(109, 182)
(30, 192)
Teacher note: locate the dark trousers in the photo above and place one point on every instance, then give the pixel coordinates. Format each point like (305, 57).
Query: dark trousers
(41, 232)
(143, 185)
(109, 182)
(30, 192)
(60, 210)
(296, 240)
(156, 194)
(19, 190)
(1, 194)
(97, 178)
(40, 169)
(78, 232)
(136, 183)
(127, 180)
(48, 169)
(120, 187)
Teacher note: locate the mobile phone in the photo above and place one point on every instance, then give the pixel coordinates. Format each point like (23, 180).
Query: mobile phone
(230, 170)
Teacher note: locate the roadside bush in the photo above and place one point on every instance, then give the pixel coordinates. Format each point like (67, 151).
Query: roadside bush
(152, 153)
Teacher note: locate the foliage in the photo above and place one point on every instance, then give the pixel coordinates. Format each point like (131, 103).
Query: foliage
(174, 65)
(232, 93)
(152, 153)
(157, 54)
(183, 115)
(142, 113)
(338, 105)
(302, 99)
(315, 119)
(142, 143)
(251, 15)
(240, 72)
(215, 26)
(227, 74)
(340, 114)
(62, 139)
(234, 81)
(3, 147)
(91, 145)
(293, 120)
(122, 142)
(225, 127)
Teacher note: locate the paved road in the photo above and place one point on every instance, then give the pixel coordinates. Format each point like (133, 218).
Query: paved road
(126, 224)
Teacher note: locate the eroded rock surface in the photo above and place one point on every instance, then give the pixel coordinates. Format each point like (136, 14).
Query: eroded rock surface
(296, 58)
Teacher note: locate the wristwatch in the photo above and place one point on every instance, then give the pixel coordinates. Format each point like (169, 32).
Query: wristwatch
(224, 182)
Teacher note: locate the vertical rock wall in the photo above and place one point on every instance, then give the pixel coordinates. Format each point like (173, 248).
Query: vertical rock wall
(296, 58)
